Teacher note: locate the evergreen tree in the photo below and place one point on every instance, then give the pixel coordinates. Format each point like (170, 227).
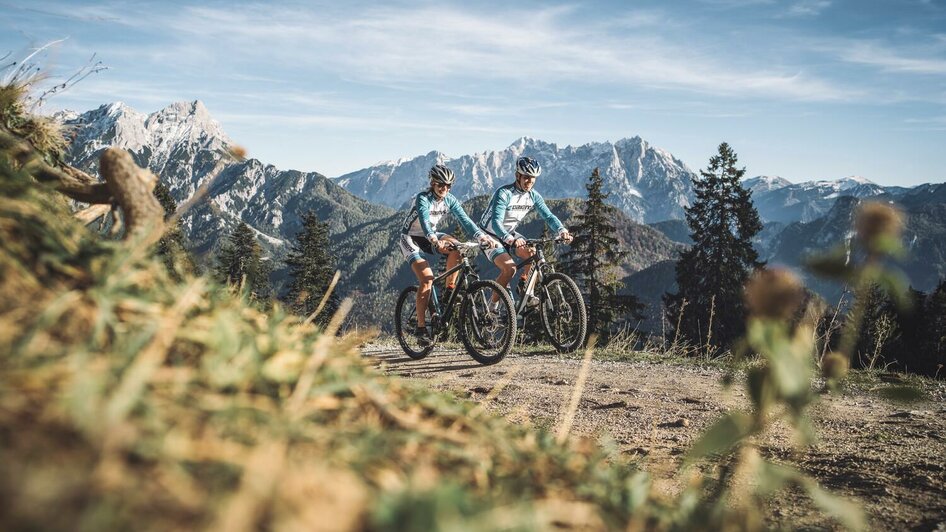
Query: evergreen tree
(909, 327)
(311, 268)
(172, 248)
(240, 261)
(711, 273)
(879, 328)
(934, 338)
(593, 258)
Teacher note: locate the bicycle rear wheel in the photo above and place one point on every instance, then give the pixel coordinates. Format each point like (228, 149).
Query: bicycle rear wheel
(488, 333)
(405, 321)
(563, 314)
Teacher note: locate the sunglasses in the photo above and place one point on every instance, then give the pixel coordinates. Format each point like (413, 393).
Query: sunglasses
(442, 185)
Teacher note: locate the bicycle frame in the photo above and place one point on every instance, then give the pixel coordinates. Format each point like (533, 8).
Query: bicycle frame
(467, 276)
(536, 275)
(463, 280)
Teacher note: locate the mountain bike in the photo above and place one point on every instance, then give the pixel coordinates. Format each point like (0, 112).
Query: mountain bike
(487, 329)
(555, 297)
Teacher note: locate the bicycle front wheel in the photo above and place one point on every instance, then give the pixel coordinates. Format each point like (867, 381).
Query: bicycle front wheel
(487, 329)
(405, 322)
(563, 314)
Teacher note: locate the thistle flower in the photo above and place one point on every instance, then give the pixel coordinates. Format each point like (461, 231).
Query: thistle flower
(238, 152)
(774, 293)
(877, 223)
(834, 366)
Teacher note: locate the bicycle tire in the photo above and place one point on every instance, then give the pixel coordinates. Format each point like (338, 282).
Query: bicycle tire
(557, 316)
(479, 325)
(405, 312)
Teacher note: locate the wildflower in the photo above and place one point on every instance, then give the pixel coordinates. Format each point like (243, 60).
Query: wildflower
(774, 293)
(238, 152)
(876, 222)
(834, 366)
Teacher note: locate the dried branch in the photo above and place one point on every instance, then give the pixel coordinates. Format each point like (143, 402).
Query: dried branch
(92, 213)
(133, 189)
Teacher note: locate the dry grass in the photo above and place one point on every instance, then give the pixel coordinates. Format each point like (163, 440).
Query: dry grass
(132, 399)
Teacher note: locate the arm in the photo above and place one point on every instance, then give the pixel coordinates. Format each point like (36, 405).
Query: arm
(422, 204)
(462, 218)
(497, 213)
(550, 219)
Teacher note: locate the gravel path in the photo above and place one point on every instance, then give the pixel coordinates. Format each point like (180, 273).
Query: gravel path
(891, 457)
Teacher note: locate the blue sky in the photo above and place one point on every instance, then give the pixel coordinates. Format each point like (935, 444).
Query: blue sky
(804, 89)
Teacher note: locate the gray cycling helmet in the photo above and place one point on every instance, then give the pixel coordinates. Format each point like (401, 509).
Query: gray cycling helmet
(441, 174)
(528, 166)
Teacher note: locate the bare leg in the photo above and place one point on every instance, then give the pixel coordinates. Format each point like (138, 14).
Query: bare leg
(525, 253)
(425, 280)
(453, 258)
(507, 268)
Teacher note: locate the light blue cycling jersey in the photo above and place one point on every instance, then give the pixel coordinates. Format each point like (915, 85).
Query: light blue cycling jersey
(508, 206)
(426, 212)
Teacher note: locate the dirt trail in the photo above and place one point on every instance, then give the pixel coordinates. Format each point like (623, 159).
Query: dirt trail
(890, 457)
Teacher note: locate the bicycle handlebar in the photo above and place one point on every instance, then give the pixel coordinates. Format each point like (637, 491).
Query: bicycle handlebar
(532, 242)
(463, 246)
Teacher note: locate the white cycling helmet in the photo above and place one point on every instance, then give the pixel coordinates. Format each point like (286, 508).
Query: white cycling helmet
(441, 174)
(528, 166)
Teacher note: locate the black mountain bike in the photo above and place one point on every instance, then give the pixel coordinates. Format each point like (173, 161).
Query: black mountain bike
(555, 297)
(487, 329)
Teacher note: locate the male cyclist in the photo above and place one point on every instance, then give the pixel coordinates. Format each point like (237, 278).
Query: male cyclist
(508, 206)
(419, 233)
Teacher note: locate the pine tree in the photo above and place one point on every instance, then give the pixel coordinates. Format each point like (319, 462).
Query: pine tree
(311, 268)
(593, 258)
(934, 338)
(909, 327)
(878, 330)
(172, 248)
(711, 274)
(240, 262)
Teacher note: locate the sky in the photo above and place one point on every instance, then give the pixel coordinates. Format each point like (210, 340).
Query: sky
(803, 89)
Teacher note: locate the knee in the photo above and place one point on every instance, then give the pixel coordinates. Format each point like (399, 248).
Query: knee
(507, 270)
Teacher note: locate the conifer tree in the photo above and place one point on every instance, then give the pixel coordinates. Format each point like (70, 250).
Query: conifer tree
(172, 248)
(311, 268)
(593, 258)
(879, 328)
(240, 261)
(711, 274)
(934, 339)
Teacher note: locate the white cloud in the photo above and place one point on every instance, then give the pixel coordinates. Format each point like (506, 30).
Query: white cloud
(808, 7)
(436, 47)
(878, 55)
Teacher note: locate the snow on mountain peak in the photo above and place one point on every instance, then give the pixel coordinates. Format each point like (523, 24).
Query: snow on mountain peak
(765, 183)
(171, 142)
(645, 183)
(854, 181)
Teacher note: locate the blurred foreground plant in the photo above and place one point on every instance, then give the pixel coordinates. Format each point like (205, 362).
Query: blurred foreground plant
(865, 265)
(131, 398)
(779, 388)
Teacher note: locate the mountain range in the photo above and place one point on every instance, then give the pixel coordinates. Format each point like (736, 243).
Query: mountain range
(647, 183)
(182, 144)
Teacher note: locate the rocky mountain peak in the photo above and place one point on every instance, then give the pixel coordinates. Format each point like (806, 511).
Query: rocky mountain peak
(645, 183)
(765, 183)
